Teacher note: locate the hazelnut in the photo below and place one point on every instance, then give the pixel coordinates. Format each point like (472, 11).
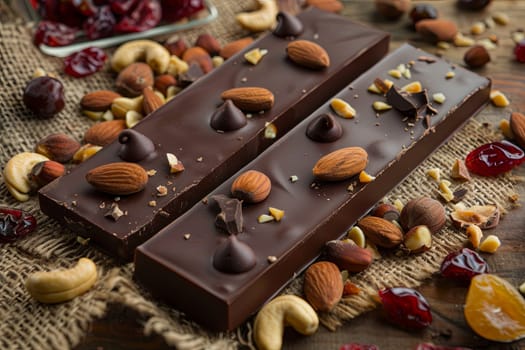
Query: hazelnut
(45, 172)
(134, 78)
(476, 57)
(386, 211)
(251, 186)
(58, 147)
(423, 211)
(392, 9)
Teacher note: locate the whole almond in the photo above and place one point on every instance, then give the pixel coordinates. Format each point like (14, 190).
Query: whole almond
(58, 147)
(517, 125)
(200, 56)
(250, 99)
(233, 47)
(308, 54)
(163, 82)
(134, 78)
(323, 285)
(334, 6)
(347, 255)
(99, 100)
(151, 101)
(209, 43)
(477, 56)
(103, 133)
(381, 232)
(437, 29)
(120, 178)
(341, 164)
(252, 186)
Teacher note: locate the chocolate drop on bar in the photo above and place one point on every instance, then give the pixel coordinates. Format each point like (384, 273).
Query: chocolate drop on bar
(316, 212)
(182, 127)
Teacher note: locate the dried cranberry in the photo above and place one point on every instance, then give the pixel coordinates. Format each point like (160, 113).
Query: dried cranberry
(68, 14)
(101, 24)
(145, 16)
(84, 7)
(85, 62)
(355, 346)
(44, 96)
(122, 7)
(463, 265)
(174, 10)
(14, 224)
(519, 51)
(406, 307)
(48, 10)
(494, 158)
(430, 346)
(53, 34)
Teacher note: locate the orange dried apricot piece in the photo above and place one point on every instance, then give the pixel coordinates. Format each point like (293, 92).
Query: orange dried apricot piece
(494, 309)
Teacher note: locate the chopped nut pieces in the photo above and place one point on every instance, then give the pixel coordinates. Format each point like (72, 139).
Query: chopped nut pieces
(413, 87)
(474, 235)
(434, 173)
(504, 126)
(522, 288)
(381, 106)
(162, 191)
(175, 165)
(294, 178)
(485, 216)
(364, 177)
(357, 235)
(132, 118)
(498, 99)
(501, 18)
(264, 218)
(490, 244)
(270, 131)
(450, 75)
(342, 108)
(254, 56)
(418, 239)
(460, 171)
(394, 73)
(478, 28)
(439, 97)
(271, 259)
(461, 40)
(278, 214)
(114, 212)
(187, 236)
(152, 203)
(445, 191)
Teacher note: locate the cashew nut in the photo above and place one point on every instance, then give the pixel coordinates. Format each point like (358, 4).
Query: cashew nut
(153, 53)
(16, 174)
(57, 286)
(262, 19)
(278, 313)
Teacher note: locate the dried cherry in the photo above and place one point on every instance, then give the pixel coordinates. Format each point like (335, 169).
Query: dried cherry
(430, 346)
(406, 307)
(494, 309)
(463, 265)
(122, 7)
(53, 34)
(174, 10)
(101, 24)
(85, 62)
(519, 51)
(495, 158)
(44, 96)
(355, 346)
(145, 16)
(15, 224)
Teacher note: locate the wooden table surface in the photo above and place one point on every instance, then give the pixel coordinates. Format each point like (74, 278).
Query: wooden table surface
(121, 328)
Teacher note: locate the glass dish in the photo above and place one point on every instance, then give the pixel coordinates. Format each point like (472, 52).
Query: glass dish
(205, 16)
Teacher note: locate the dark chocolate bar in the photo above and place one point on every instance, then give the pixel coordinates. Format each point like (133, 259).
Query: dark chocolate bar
(184, 263)
(182, 127)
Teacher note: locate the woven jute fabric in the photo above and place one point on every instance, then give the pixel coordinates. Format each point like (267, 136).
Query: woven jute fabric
(27, 324)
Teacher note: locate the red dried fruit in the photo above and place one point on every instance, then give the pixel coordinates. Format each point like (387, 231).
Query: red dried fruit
(53, 34)
(430, 346)
(406, 307)
(145, 16)
(355, 346)
(174, 10)
(494, 158)
(15, 224)
(463, 265)
(100, 25)
(85, 62)
(122, 7)
(44, 96)
(519, 51)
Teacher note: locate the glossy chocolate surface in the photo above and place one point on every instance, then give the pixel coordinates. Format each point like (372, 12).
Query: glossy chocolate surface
(182, 127)
(180, 270)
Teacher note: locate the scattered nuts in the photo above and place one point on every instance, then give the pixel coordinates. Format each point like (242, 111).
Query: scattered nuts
(437, 29)
(277, 214)
(16, 174)
(498, 99)
(323, 285)
(260, 20)
(308, 54)
(122, 105)
(418, 239)
(484, 216)
(132, 80)
(423, 211)
(85, 152)
(163, 82)
(444, 190)
(381, 232)
(517, 125)
(356, 235)
(264, 218)
(58, 147)
(476, 57)
(57, 286)
(255, 55)
(341, 164)
(342, 108)
(450, 75)
(381, 106)
(45, 172)
(153, 53)
(177, 66)
(394, 73)
(99, 100)
(490, 244)
(504, 126)
(209, 43)
(119, 178)
(270, 131)
(413, 87)
(250, 99)
(268, 329)
(347, 255)
(235, 46)
(103, 133)
(252, 186)
(199, 56)
(478, 28)
(132, 118)
(501, 18)
(365, 177)
(474, 235)
(175, 165)
(434, 173)
(151, 101)
(460, 171)
(439, 97)
(461, 40)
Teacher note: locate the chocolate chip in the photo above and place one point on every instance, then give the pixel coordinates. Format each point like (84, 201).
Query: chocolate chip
(228, 117)
(324, 128)
(230, 217)
(134, 146)
(233, 256)
(287, 25)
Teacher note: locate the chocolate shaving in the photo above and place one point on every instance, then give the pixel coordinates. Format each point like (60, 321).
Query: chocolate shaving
(230, 217)
(114, 212)
(401, 102)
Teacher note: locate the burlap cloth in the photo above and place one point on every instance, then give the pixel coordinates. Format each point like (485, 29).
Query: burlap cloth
(24, 323)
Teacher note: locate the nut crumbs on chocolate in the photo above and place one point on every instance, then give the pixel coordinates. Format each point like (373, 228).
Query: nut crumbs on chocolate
(162, 191)
(151, 172)
(187, 236)
(271, 259)
(200, 159)
(152, 203)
